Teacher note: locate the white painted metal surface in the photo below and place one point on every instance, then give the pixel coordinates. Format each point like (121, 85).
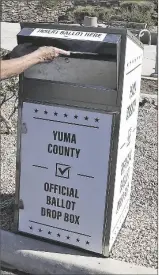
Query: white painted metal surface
(127, 137)
(64, 169)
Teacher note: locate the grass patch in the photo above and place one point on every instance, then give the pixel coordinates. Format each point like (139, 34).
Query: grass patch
(129, 11)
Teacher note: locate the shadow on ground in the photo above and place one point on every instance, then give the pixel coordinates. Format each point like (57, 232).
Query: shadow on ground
(7, 205)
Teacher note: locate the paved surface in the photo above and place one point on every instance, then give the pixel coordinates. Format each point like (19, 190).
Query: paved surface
(37, 257)
(8, 35)
(149, 60)
(10, 30)
(5, 271)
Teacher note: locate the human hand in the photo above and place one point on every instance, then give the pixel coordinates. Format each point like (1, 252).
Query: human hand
(48, 53)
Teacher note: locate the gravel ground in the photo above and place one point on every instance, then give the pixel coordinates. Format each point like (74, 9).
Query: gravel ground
(149, 87)
(137, 241)
(32, 11)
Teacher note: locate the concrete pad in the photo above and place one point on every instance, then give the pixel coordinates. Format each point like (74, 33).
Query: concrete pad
(150, 96)
(154, 75)
(150, 78)
(149, 61)
(38, 257)
(8, 35)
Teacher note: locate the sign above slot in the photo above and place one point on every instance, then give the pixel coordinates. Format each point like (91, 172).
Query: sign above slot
(67, 34)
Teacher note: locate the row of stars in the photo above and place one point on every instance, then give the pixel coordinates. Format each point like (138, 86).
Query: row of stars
(66, 115)
(134, 60)
(58, 235)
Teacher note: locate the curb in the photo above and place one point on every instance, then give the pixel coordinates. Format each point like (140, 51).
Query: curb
(150, 78)
(150, 96)
(38, 257)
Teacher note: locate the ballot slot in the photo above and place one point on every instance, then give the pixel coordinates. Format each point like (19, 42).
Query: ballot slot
(102, 44)
(93, 63)
(90, 47)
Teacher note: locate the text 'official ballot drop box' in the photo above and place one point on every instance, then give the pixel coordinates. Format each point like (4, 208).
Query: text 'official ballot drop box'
(76, 135)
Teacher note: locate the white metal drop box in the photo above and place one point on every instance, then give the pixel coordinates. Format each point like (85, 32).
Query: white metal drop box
(76, 135)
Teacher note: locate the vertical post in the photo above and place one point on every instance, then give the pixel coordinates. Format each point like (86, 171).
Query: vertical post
(156, 66)
(90, 21)
(155, 74)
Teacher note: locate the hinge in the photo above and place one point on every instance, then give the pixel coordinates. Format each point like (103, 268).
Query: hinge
(20, 205)
(24, 129)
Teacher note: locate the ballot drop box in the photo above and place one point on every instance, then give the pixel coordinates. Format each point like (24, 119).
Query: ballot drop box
(77, 122)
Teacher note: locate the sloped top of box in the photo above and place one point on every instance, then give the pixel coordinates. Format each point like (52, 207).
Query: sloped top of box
(70, 35)
(72, 40)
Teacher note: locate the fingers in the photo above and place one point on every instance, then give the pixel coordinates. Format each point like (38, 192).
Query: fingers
(48, 53)
(60, 51)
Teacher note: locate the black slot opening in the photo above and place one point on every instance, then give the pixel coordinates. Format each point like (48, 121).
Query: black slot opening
(91, 49)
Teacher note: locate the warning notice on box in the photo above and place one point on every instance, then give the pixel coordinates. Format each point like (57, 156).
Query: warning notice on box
(64, 171)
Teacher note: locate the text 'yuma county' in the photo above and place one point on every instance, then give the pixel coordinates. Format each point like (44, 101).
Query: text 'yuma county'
(64, 150)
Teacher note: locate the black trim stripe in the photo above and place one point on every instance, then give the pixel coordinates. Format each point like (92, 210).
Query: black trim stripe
(70, 123)
(134, 69)
(85, 176)
(38, 166)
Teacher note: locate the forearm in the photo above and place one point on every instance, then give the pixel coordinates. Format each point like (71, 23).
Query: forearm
(14, 67)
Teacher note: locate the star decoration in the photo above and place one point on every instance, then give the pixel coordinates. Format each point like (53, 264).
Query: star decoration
(96, 119)
(49, 232)
(87, 242)
(65, 115)
(45, 112)
(40, 230)
(36, 110)
(30, 227)
(75, 116)
(68, 237)
(55, 114)
(77, 240)
(86, 118)
(58, 235)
